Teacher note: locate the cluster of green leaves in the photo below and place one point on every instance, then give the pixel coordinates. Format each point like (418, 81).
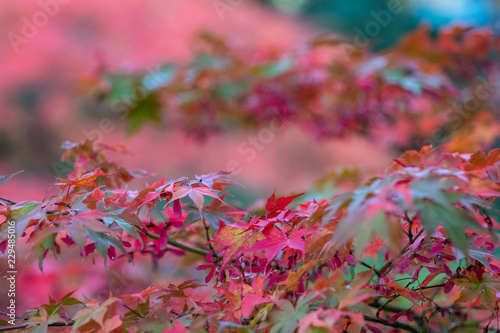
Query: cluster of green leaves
(414, 249)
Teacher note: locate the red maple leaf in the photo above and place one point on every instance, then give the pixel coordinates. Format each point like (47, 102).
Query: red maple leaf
(87, 180)
(273, 206)
(276, 241)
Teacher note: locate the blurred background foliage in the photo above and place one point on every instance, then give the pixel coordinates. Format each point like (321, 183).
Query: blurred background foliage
(43, 105)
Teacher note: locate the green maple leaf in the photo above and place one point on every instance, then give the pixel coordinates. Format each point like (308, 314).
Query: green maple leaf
(473, 288)
(453, 219)
(286, 318)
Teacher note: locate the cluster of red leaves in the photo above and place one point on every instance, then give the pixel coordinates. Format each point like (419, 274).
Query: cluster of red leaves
(329, 89)
(412, 250)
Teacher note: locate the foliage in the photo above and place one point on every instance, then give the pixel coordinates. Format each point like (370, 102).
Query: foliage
(422, 91)
(413, 249)
(419, 236)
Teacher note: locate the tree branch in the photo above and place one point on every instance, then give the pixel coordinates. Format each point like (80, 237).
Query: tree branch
(184, 247)
(188, 248)
(10, 202)
(207, 230)
(429, 287)
(8, 315)
(385, 322)
(391, 308)
(18, 327)
(370, 267)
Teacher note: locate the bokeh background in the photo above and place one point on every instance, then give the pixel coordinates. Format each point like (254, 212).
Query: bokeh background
(44, 98)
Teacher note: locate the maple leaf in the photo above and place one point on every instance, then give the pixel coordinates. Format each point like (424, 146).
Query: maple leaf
(87, 180)
(90, 199)
(329, 318)
(177, 328)
(407, 293)
(255, 297)
(480, 162)
(41, 322)
(196, 194)
(286, 318)
(214, 177)
(98, 313)
(235, 239)
(218, 211)
(276, 240)
(354, 292)
(144, 197)
(411, 158)
(453, 219)
(5, 178)
(273, 206)
(210, 266)
(292, 280)
(484, 288)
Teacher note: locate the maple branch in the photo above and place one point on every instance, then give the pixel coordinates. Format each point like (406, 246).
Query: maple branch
(18, 327)
(410, 225)
(403, 250)
(395, 309)
(391, 308)
(10, 202)
(207, 229)
(384, 305)
(430, 287)
(385, 322)
(184, 247)
(8, 315)
(370, 267)
(188, 248)
(133, 311)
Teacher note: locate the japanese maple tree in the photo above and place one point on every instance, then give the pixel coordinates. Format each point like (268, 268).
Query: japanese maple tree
(412, 249)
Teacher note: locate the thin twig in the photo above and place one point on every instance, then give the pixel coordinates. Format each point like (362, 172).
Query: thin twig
(18, 327)
(174, 243)
(10, 202)
(384, 305)
(385, 322)
(207, 230)
(370, 267)
(391, 308)
(132, 310)
(184, 247)
(429, 287)
(8, 315)
(410, 225)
